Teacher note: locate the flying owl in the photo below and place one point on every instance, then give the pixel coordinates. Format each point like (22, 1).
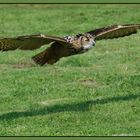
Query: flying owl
(65, 46)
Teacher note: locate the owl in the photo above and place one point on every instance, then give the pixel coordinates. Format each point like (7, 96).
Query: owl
(67, 45)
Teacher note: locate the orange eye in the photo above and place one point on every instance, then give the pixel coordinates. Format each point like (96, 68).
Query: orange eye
(86, 39)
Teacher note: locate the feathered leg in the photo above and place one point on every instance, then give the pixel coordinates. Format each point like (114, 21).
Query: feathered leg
(44, 57)
(52, 54)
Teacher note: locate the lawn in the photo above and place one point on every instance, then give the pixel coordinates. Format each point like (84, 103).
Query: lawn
(92, 94)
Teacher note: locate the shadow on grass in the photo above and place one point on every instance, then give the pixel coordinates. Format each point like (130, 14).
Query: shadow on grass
(82, 106)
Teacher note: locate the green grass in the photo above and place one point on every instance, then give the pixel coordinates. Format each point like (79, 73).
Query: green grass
(92, 94)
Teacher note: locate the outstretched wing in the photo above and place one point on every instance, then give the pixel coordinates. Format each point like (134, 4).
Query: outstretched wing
(29, 42)
(114, 31)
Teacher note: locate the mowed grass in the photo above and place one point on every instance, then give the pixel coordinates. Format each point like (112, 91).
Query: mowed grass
(92, 94)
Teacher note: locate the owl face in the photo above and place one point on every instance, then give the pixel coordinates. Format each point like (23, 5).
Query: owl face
(87, 42)
(82, 43)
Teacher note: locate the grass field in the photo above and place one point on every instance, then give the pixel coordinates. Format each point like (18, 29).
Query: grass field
(92, 94)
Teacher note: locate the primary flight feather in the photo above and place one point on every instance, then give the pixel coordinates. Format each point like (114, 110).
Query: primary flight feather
(65, 46)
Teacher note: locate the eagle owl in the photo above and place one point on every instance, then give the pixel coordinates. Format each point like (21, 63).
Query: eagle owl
(65, 46)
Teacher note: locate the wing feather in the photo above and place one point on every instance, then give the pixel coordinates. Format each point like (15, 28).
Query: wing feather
(114, 31)
(29, 42)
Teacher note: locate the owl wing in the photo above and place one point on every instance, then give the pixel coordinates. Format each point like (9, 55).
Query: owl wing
(29, 42)
(114, 31)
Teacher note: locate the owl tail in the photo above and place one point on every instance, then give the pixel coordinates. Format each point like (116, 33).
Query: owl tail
(44, 57)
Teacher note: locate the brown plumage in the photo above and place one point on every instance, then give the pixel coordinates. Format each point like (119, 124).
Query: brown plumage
(115, 31)
(65, 46)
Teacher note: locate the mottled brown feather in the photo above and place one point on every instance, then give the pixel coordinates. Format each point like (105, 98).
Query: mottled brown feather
(52, 54)
(114, 31)
(30, 42)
